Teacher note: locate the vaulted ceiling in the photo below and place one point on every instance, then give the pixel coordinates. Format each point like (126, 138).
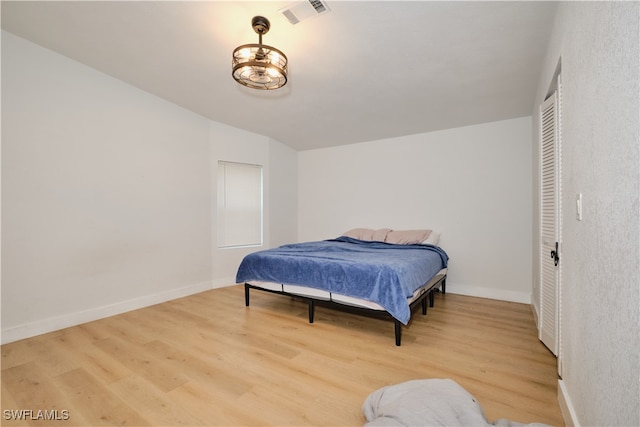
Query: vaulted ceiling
(363, 71)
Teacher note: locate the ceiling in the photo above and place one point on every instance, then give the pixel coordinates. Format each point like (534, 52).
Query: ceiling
(364, 71)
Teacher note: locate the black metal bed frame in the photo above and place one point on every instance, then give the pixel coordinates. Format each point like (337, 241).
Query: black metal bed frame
(440, 284)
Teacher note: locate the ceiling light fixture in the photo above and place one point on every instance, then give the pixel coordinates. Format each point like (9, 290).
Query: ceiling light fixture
(259, 66)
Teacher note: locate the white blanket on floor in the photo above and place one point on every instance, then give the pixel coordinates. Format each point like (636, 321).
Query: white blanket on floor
(432, 402)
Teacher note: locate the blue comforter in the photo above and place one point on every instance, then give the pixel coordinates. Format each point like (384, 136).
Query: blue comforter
(384, 273)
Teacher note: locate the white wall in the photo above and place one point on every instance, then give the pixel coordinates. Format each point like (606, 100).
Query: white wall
(473, 184)
(108, 194)
(597, 44)
(283, 199)
(105, 192)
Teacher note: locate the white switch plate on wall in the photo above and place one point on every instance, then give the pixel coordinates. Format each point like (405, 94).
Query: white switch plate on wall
(579, 206)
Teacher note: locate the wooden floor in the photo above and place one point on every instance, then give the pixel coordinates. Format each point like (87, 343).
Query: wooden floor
(208, 360)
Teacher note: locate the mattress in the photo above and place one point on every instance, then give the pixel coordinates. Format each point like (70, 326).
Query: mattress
(320, 294)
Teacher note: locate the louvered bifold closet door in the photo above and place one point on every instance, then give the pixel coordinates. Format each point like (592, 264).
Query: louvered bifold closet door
(549, 272)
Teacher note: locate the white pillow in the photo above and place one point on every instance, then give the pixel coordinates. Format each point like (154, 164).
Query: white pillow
(433, 239)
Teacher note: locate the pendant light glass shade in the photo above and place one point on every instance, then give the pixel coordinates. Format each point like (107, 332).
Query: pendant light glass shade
(259, 66)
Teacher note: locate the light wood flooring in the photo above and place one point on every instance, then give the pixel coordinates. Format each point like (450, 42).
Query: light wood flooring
(208, 360)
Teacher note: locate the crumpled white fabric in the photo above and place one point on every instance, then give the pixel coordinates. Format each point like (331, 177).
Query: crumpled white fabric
(429, 402)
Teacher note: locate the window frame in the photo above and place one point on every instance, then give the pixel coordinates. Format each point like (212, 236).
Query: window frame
(234, 230)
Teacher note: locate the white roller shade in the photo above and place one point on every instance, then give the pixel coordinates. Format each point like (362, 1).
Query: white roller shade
(239, 204)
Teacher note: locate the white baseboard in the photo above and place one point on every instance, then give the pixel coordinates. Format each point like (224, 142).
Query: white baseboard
(223, 283)
(51, 324)
(566, 407)
(491, 293)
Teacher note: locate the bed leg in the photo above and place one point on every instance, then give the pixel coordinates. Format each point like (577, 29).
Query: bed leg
(444, 284)
(312, 307)
(246, 295)
(424, 304)
(398, 332)
(431, 298)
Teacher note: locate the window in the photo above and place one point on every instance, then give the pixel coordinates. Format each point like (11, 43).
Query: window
(239, 204)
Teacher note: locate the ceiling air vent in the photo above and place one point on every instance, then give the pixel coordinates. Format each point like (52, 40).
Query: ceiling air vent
(303, 10)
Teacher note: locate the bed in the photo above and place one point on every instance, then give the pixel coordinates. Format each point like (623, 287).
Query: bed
(388, 272)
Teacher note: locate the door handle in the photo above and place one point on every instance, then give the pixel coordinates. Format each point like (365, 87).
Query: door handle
(555, 256)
